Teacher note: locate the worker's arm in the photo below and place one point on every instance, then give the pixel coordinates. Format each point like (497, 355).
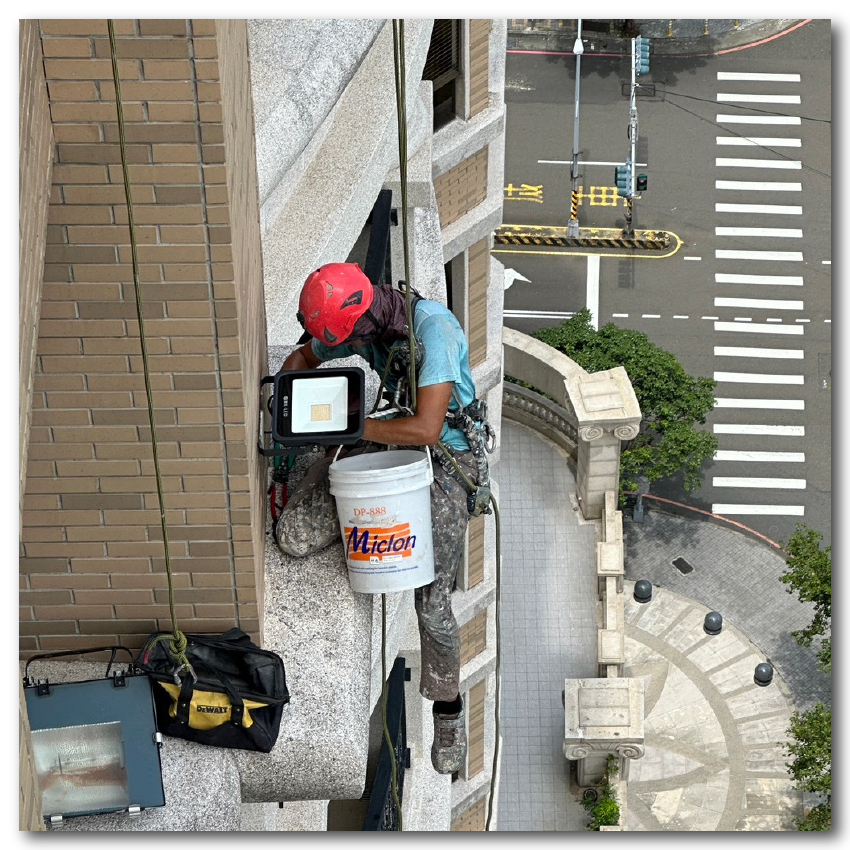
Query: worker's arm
(421, 429)
(301, 358)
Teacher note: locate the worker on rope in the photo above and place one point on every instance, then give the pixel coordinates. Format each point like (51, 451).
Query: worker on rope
(346, 315)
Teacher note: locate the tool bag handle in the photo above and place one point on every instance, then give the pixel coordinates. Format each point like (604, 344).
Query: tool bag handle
(111, 649)
(187, 687)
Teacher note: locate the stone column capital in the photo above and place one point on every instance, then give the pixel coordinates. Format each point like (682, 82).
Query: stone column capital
(605, 404)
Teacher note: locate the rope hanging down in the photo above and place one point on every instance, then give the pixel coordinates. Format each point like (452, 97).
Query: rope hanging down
(401, 112)
(178, 639)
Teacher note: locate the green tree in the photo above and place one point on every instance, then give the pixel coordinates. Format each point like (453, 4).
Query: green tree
(811, 765)
(809, 575)
(671, 401)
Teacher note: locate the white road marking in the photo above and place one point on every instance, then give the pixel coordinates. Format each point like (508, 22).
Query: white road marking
(803, 321)
(775, 353)
(757, 378)
(766, 209)
(711, 318)
(741, 318)
(774, 232)
(761, 457)
(759, 185)
(773, 320)
(619, 315)
(757, 98)
(758, 303)
(745, 75)
(681, 317)
(760, 279)
(758, 328)
(692, 258)
(826, 262)
(757, 163)
(764, 483)
(827, 321)
(776, 256)
(511, 275)
(764, 510)
(762, 403)
(592, 298)
(763, 430)
(758, 141)
(650, 316)
(535, 314)
(758, 119)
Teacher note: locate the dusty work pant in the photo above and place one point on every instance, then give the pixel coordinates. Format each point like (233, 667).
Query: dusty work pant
(309, 523)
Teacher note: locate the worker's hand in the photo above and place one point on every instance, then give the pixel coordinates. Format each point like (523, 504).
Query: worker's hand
(301, 358)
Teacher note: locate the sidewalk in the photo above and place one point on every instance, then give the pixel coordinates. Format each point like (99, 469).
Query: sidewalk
(713, 759)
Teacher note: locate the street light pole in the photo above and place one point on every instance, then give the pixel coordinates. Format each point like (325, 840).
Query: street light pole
(572, 229)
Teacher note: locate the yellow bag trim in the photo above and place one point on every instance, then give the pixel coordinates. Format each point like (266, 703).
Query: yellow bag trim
(209, 709)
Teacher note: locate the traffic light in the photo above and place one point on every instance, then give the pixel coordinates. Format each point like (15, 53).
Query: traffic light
(642, 182)
(641, 55)
(623, 178)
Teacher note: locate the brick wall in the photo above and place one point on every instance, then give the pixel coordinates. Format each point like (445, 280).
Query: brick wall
(92, 555)
(475, 551)
(479, 279)
(461, 188)
(474, 819)
(479, 65)
(35, 142)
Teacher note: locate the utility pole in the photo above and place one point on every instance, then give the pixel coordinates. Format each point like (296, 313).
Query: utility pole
(572, 228)
(640, 65)
(633, 132)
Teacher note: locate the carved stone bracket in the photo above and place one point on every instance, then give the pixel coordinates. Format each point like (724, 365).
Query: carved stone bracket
(574, 752)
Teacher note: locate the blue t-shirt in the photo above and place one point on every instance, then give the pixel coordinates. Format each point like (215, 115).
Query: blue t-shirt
(446, 359)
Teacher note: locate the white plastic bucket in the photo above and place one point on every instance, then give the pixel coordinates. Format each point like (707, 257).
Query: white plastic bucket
(383, 501)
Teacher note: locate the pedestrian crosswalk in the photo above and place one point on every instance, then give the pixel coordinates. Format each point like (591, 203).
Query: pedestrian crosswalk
(750, 225)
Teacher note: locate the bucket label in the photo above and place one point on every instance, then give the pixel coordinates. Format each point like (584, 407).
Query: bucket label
(374, 545)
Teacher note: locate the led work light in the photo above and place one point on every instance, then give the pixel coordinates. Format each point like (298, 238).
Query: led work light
(313, 407)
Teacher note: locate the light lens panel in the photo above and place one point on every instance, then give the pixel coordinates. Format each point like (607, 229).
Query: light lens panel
(319, 404)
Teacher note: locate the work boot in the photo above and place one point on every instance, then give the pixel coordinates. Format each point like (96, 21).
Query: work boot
(448, 751)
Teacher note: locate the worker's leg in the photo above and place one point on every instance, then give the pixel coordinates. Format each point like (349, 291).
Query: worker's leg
(309, 521)
(438, 629)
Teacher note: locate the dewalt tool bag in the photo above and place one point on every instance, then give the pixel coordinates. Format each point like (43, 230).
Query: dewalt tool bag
(234, 699)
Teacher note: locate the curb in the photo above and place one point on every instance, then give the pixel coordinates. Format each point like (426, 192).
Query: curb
(589, 237)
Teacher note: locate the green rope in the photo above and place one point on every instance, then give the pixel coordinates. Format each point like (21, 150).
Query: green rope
(497, 695)
(401, 114)
(178, 641)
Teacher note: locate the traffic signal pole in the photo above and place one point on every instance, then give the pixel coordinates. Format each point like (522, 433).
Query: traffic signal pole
(633, 132)
(640, 65)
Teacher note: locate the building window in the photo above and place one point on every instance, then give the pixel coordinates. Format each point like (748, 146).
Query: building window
(442, 67)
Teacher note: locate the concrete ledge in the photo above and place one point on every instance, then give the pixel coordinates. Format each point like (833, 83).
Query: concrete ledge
(201, 783)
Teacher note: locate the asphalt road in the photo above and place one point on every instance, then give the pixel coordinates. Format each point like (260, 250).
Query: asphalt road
(739, 169)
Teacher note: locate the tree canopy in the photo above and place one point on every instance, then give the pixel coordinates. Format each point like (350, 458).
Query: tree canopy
(672, 402)
(809, 574)
(811, 765)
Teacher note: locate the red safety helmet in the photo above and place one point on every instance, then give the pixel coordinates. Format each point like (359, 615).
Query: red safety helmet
(332, 299)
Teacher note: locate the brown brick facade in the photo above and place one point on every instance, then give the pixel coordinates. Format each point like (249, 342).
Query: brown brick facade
(475, 551)
(479, 279)
(473, 637)
(92, 555)
(474, 819)
(35, 142)
(479, 65)
(461, 188)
